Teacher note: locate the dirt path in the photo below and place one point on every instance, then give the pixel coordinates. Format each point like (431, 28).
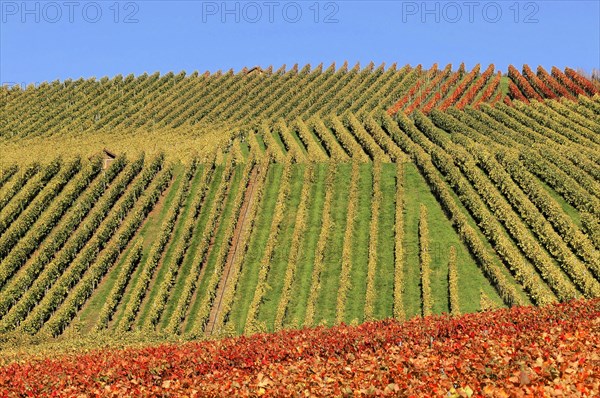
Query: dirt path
(211, 244)
(241, 225)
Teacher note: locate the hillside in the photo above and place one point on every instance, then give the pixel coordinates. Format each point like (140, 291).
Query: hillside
(336, 219)
(236, 203)
(194, 113)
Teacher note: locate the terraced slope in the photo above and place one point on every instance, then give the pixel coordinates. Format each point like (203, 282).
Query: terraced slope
(154, 102)
(312, 221)
(194, 115)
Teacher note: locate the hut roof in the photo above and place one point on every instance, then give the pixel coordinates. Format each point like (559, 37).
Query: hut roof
(255, 69)
(109, 153)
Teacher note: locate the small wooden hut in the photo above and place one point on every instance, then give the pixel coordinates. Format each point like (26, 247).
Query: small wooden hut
(257, 70)
(107, 158)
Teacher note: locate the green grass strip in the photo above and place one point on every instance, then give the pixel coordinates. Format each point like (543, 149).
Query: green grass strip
(330, 277)
(258, 240)
(301, 286)
(356, 295)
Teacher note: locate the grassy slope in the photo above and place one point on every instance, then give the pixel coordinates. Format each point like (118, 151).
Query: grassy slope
(465, 282)
(301, 285)
(567, 208)
(191, 253)
(442, 236)
(148, 232)
(170, 250)
(258, 240)
(220, 239)
(245, 149)
(326, 302)
(471, 291)
(384, 277)
(358, 274)
(275, 277)
(298, 141)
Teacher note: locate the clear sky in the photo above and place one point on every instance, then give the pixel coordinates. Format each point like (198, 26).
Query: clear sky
(48, 40)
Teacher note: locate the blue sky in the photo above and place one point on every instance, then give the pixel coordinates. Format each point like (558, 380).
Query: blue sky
(48, 40)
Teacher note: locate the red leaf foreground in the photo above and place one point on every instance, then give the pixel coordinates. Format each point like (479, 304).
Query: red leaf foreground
(524, 351)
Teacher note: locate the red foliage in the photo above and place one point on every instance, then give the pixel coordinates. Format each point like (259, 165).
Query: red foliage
(398, 105)
(498, 97)
(581, 81)
(408, 96)
(566, 82)
(434, 100)
(515, 93)
(444, 89)
(474, 89)
(523, 351)
(553, 84)
(522, 84)
(487, 93)
(415, 104)
(457, 93)
(537, 83)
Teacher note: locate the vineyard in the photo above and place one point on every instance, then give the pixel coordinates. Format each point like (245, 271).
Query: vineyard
(194, 113)
(209, 205)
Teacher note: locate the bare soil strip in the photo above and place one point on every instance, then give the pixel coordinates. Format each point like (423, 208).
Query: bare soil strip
(242, 224)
